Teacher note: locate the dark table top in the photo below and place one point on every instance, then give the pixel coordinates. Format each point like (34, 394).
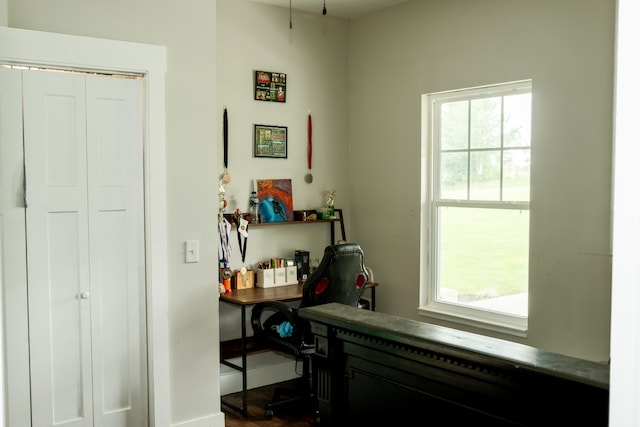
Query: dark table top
(275, 293)
(451, 341)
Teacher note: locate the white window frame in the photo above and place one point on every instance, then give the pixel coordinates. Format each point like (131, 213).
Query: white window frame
(429, 305)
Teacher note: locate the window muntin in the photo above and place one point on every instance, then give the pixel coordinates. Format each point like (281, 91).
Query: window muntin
(478, 204)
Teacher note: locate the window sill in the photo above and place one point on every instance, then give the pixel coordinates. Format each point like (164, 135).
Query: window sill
(510, 325)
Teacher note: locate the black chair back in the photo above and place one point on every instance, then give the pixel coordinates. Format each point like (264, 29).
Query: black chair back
(341, 277)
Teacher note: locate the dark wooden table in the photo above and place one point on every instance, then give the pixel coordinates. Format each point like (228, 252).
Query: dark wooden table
(376, 367)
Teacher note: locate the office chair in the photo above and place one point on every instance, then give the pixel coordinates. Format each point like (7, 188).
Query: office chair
(341, 277)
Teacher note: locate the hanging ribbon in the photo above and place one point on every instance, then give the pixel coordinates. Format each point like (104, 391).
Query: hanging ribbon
(225, 137)
(308, 178)
(225, 247)
(224, 227)
(310, 144)
(225, 140)
(242, 230)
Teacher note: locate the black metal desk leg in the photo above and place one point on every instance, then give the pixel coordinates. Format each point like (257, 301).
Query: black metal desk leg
(245, 411)
(243, 369)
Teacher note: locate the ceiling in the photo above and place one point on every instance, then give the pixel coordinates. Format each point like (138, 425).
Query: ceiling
(348, 9)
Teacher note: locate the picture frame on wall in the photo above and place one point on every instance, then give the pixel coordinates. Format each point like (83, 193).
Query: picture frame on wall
(270, 141)
(270, 86)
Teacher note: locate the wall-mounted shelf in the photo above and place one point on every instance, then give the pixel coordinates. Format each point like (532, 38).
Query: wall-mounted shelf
(339, 219)
(315, 221)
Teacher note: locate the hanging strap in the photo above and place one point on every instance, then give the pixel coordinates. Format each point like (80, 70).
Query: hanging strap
(310, 143)
(242, 230)
(225, 247)
(225, 137)
(242, 244)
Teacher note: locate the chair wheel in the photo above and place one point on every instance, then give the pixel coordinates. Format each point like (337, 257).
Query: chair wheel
(268, 414)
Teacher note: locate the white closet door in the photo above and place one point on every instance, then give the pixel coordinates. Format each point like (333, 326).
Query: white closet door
(57, 249)
(84, 242)
(13, 265)
(116, 248)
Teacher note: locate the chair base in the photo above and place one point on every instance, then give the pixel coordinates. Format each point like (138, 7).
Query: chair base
(289, 398)
(300, 396)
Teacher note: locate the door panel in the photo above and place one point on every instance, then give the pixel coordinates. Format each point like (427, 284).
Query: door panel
(13, 266)
(67, 341)
(57, 248)
(115, 180)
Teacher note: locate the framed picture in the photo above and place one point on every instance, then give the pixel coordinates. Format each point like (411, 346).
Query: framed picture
(275, 200)
(270, 86)
(270, 141)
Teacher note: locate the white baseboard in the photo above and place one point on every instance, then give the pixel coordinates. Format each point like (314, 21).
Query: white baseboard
(262, 369)
(216, 420)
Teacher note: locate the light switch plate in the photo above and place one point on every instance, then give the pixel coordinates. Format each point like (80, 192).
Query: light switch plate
(192, 251)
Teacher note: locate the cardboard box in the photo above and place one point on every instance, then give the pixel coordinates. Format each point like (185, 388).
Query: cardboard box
(280, 276)
(270, 277)
(306, 215)
(243, 281)
(265, 278)
(292, 275)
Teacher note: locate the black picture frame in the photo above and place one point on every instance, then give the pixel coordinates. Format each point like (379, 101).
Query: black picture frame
(270, 86)
(270, 141)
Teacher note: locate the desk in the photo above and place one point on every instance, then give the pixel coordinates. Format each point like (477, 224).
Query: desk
(251, 296)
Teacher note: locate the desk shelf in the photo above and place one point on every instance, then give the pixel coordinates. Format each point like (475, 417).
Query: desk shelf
(271, 224)
(339, 219)
(314, 221)
(231, 349)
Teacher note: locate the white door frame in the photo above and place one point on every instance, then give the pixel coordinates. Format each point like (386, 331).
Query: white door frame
(26, 47)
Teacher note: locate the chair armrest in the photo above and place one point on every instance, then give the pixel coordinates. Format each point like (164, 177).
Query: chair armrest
(259, 309)
(280, 312)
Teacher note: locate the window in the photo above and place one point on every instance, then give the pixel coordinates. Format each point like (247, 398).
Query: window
(475, 246)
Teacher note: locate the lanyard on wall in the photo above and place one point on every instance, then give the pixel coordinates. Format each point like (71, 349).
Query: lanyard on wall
(308, 178)
(225, 146)
(242, 230)
(225, 247)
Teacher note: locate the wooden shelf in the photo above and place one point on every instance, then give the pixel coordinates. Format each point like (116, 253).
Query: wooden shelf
(233, 348)
(338, 218)
(270, 224)
(315, 221)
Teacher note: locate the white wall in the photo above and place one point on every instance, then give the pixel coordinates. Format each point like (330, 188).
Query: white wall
(189, 33)
(4, 13)
(567, 48)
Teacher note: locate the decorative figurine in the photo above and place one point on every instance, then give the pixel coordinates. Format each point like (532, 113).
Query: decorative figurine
(328, 212)
(331, 196)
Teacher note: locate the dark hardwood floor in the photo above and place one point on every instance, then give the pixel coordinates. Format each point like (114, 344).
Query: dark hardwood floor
(257, 399)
